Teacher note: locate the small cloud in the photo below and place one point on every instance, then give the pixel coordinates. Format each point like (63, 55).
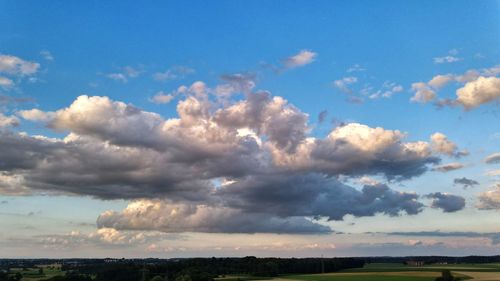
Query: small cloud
(162, 98)
(449, 203)
(452, 57)
(304, 57)
(465, 182)
(6, 82)
(16, 66)
(8, 121)
(47, 55)
(423, 93)
(493, 173)
(415, 242)
(118, 77)
(342, 84)
(176, 72)
(448, 167)
(493, 158)
(355, 68)
(322, 116)
(387, 90)
(126, 73)
(355, 100)
(479, 56)
(490, 200)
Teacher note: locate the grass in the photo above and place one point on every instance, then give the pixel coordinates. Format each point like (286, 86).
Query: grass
(402, 272)
(33, 274)
(377, 276)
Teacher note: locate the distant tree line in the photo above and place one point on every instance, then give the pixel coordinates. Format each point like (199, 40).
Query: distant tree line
(205, 269)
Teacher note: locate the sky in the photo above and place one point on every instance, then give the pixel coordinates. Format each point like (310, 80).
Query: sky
(234, 128)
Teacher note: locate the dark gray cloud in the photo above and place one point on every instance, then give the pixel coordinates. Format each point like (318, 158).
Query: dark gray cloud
(315, 195)
(447, 202)
(322, 116)
(465, 182)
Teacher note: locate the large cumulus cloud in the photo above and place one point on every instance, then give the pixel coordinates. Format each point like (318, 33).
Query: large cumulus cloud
(252, 162)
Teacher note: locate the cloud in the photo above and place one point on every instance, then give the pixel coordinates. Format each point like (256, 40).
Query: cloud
(423, 93)
(117, 77)
(343, 84)
(8, 121)
(16, 66)
(439, 81)
(47, 55)
(355, 68)
(162, 98)
(465, 182)
(103, 237)
(479, 87)
(441, 144)
(480, 91)
(6, 82)
(304, 57)
(494, 236)
(253, 159)
(315, 195)
(446, 59)
(387, 90)
(125, 74)
(448, 167)
(322, 116)
(493, 173)
(493, 158)
(447, 202)
(176, 72)
(170, 217)
(490, 200)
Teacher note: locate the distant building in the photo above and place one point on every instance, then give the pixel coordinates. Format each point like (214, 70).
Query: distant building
(415, 263)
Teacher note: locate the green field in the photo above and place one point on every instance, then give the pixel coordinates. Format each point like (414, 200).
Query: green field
(397, 272)
(33, 274)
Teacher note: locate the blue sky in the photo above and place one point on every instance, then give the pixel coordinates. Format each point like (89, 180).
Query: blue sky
(364, 64)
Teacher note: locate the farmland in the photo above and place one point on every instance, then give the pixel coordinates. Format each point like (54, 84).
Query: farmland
(396, 272)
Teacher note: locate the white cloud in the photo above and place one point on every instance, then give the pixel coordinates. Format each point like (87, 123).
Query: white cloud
(173, 73)
(6, 82)
(8, 121)
(343, 84)
(490, 200)
(440, 81)
(441, 144)
(387, 90)
(36, 115)
(117, 77)
(355, 68)
(16, 66)
(162, 98)
(446, 59)
(423, 93)
(480, 91)
(304, 57)
(126, 73)
(47, 55)
(480, 87)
